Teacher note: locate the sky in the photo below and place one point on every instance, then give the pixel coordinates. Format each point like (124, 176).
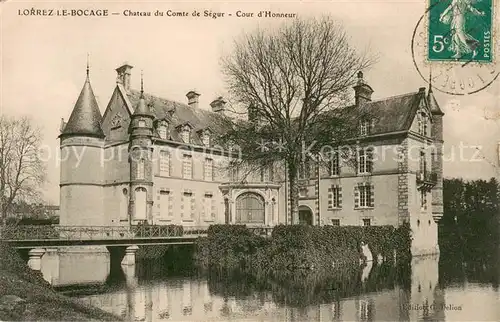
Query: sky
(43, 61)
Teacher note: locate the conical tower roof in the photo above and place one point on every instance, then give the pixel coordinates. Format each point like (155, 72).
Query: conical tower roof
(142, 108)
(86, 118)
(433, 104)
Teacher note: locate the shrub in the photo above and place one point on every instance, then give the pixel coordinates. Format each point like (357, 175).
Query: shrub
(299, 247)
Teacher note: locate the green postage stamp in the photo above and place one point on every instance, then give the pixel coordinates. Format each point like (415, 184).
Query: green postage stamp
(460, 30)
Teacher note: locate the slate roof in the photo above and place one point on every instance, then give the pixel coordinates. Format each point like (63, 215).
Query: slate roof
(142, 108)
(86, 118)
(395, 113)
(433, 104)
(177, 114)
(392, 114)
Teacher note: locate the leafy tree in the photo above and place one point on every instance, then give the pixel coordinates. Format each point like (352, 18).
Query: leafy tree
(470, 223)
(293, 83)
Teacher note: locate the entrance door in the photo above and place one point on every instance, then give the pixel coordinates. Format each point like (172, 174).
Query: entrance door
(305, 216)
(250, 208)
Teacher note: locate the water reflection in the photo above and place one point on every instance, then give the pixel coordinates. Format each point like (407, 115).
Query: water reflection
(428, 289)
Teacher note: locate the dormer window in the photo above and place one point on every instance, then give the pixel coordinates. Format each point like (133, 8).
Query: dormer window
(364, 127)
(162, 130)
(186, 134)
(205, 137)
(422, 123)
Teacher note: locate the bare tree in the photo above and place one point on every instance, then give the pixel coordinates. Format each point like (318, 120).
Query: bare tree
(21, 170)
(294, 84)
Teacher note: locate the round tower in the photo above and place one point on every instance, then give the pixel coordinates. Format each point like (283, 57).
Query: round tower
(141, 162)
(437, 160)
(81, 181)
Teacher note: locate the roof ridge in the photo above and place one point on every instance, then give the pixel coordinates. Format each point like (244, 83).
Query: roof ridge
(394, 96)
(163, 98)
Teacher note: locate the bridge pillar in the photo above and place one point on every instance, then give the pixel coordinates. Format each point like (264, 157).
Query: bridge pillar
(129, 258)
(35, 258)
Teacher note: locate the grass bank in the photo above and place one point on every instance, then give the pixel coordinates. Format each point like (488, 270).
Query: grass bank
(26, 296)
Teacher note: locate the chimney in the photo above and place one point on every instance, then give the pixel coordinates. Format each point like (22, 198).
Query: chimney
(193, 98)
(362, 91)
(123, 76)
(218, 105)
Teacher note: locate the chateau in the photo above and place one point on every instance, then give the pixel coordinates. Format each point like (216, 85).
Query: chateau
(149, 159)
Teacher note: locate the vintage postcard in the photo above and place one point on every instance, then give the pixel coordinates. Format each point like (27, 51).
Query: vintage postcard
(294, 160)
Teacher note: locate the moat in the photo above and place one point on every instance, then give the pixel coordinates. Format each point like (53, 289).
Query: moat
(441, 288)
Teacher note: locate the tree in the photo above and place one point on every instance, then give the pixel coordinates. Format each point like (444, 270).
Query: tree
(21, 170)
(293, 83)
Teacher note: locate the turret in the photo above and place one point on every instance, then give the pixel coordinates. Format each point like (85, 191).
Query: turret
(437, 158)
(141, 162)
(81, 181)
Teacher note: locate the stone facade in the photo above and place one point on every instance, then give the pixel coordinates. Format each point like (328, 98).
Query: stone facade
(154, 163)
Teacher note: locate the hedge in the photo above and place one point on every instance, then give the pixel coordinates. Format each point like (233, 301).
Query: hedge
(300, 247)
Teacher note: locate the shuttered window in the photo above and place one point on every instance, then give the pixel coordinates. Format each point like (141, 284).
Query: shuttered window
(365, 160)
(208, 170)
(334, 197)
(364, 196)
(334, 164)
(187, 167)
(164, 164)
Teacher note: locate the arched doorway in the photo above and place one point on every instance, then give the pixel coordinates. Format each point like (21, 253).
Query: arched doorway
(250, 208)
(305, 216)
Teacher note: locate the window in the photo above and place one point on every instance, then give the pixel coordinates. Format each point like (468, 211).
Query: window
(367, 222)
(187, 206)
(336, 222)
(209, 207)
(422, 163)
(164, 204)
(208, 171)
(140, 169)
(423, 199)
(365, 160)
(162, 131)
(187, 167)
(142, 123)
(206, 138)
(186, 134)
(334, 197)
(334, 164)
(422, 121)
(364, 128)
(140, 204)
(164, 164)
(124, 205)
(364, 196)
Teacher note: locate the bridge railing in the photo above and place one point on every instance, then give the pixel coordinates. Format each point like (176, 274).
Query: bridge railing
(44, 232)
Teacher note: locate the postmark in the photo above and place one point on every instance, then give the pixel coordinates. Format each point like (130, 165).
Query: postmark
(453, 46)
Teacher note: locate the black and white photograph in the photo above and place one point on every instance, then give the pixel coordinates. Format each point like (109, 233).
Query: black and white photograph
(293, 160)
